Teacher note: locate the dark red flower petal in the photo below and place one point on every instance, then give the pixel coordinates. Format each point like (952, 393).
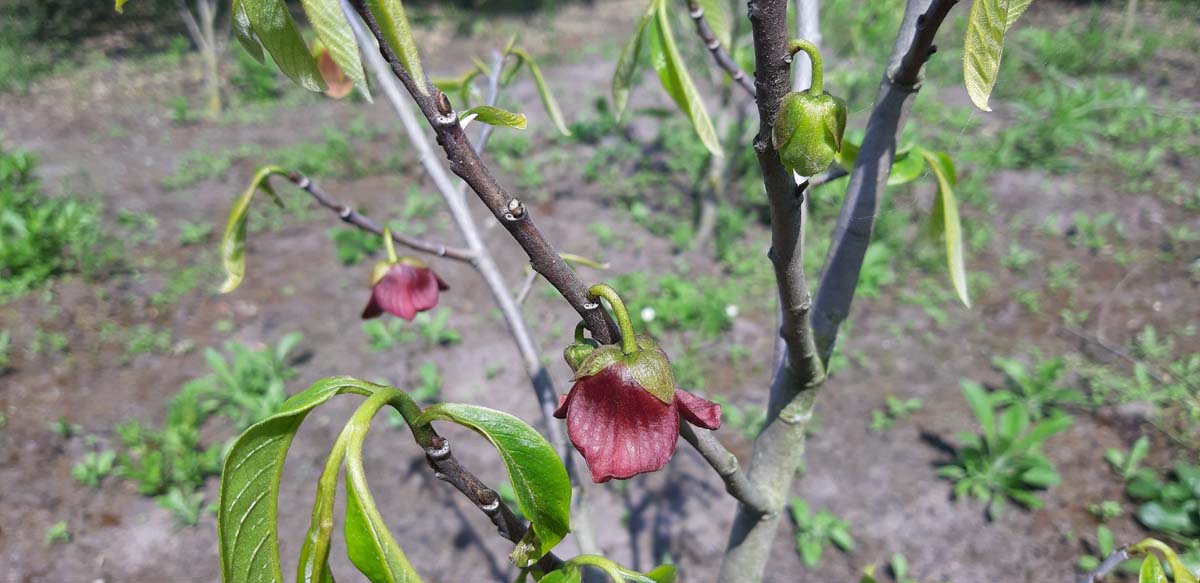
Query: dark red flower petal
(406, 290)
(563, 402)
(698, 411)
(620, 429)
(372, 310)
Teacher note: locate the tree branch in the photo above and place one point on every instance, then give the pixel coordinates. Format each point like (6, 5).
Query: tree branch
(737, 484)
(720, 55)
(353, 217)
(852, 235)
(1111, 562)
(508, 210)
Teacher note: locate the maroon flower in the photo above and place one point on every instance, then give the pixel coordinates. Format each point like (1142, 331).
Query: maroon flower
(403, 288)
(623, 412)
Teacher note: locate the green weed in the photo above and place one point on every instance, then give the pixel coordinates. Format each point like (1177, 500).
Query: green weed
(57, 533)
(94, 467)
(816, 531)
(894, 410)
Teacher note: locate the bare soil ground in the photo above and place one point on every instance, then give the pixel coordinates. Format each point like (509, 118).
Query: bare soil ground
(883, 484)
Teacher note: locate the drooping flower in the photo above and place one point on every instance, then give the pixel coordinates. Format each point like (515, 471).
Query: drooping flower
(808, 128)
(623, 411)
(402, 286)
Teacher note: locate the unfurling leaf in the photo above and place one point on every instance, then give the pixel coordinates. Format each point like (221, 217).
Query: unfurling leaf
(548, 101)
(628, 61)
(247, 529)
(495, 116)
(945, 219)
(667, 61)
(273, 26)
(334, 32)
(233, 243)
(534, 468)
(983, 47)
(394, 24)
(370, 545)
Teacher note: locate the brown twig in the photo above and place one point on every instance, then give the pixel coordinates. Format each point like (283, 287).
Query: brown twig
(720, 55)
(508, 210)
(827, 176)
(353, 217)
(1111, 562)
(737, 484)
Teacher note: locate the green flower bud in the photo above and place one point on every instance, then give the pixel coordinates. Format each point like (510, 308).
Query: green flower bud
(575, 353)
(808, 131)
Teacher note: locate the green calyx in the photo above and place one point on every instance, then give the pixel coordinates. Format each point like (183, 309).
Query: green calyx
(643, 362)
(576, 352)
(808, 131)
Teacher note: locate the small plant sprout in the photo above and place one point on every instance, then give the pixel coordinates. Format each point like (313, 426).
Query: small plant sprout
(816, 531)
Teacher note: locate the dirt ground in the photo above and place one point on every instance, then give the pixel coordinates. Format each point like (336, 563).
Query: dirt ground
(883, 484)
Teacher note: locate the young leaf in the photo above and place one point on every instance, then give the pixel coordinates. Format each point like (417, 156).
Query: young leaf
(275, 29)
(370, 546)
(537, 474)
(984, 45)
(628, 62)
(716, 13)
(544, 91)
(394, 24)
(675, 79)
(945, 219)
(240, 23)
(906, 168)
(247, 504)
(1151, 571)
(330, 24)
(1015, 9)
(662, 574)
(1104, 540)
(495, 116)
(233, 243)
(314, 555)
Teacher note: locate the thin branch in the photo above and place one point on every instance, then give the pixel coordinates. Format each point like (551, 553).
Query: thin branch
(193, 28)
(914, 45)
(526, 287)
(827, 176)
(1111, 562)
(508, 210)
(446, 468)
(353, 217)
(737, 484)
(720, 55)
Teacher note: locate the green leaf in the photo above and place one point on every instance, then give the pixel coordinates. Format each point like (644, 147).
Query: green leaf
(1151, 571)
(1179, 570)
(537, 474)
(233, 243)
(496, 117)
(945, 219)
(368, 542)
(314, 555)
(905, 169)
(675, 79)
(120, 6)
(1104, 540)
(240, 23)
(1043, 431)
(984, 45)
(981, 405)
(330, 24)
(394, 24)
(662, 574)
(716, 13)
(548, 101)
(628, 62)
(247, 504)
(1040, 477)
(273, 26)
(1165, 518)
(562, 576)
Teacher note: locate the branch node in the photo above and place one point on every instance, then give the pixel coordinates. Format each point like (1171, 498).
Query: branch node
(697, 12)
(441, 476)
(439, 452)
(445, 120)
(590, 306)
(516, 209)
(489, 502)
(443, 103)
(344, 212)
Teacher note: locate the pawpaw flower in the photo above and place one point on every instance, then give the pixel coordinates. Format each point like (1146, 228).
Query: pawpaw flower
(623, 411)
(337, 84)
(402, 286)
(809, 126)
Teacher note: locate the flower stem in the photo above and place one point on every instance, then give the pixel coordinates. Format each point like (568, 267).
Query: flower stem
(389, 245)
(813, 55)
(579, 328)
(603, 290)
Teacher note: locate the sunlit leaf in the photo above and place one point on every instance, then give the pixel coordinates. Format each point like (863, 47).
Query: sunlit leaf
(247, 528)
(905, 169)
(120, 5)
(548, 101)
(662, 574)
(233, 243)
(1151, 571)
(240, 23)
(329, 22)
(628, 62)
(983, 47)
(981, 404)
(273, 26)
(495, 116)
(394, 24)
(667, 61)
(1179, 571)
(1015, 9)
(537, 474)
(945, 219)
(370, 545)
(314, 555)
